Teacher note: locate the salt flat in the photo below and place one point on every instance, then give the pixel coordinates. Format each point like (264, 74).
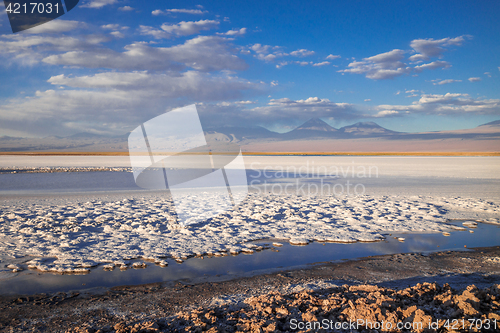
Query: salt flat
(86, 234)
(71, 233)
(398, 166)
(412, 166)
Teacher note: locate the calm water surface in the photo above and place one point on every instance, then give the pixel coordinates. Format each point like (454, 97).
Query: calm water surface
(222, 268)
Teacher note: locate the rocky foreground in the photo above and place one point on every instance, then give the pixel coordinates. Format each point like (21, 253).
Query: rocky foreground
(392, 293)
(425, 307)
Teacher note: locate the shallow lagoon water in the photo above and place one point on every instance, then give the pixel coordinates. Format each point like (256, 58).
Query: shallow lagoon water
(121, 182)
(464, 179)
(64, 182)
(195, 270)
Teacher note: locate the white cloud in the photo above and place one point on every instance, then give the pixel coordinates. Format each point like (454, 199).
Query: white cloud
(267, 53)
(319, 64)
(301, 102)
(235, 103)
(267, 57)
(391, 64)
(115, 102)
(192, 84)
(188, 11)
(488, 74)
(182, 11)
(389, 59)
(126, 8)
(449, 103)
(204, 53)
(283, 63)
(28, 49)
(301, 53)
(332, 57)
(62, 112)
(114, 27)
(259, 48)
(386, 113)
(98, 3)
(234, 32)
(436, 98)
(55, 27)
(474, 79)
(311, 102)
(428, 48)
(117, 34)
(282, 111)
(417, 58)
(368, 100)
(289, 111)
(270, 53)
(432, 65)
(382, 66)
(302, 63)
(186, 28)
(117, 29)
(441, 82)
(156, 33)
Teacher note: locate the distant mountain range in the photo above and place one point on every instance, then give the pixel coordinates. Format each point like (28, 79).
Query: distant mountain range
(258, 138)
(316, 128)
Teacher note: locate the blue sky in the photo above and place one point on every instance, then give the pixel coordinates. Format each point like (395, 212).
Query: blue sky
(109, 65)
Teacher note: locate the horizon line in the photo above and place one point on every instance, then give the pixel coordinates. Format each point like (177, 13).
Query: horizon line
(423, 153)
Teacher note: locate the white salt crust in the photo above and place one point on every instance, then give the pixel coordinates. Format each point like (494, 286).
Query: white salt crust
(72, 238)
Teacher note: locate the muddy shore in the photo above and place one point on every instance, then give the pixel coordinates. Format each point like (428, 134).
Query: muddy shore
(390, 288)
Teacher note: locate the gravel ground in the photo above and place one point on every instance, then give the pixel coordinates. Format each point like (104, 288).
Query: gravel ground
(404, 289)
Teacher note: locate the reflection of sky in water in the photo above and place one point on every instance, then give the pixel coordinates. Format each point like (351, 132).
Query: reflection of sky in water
(370, 183)
(122, 182)
(210, 269)
(60, 182)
